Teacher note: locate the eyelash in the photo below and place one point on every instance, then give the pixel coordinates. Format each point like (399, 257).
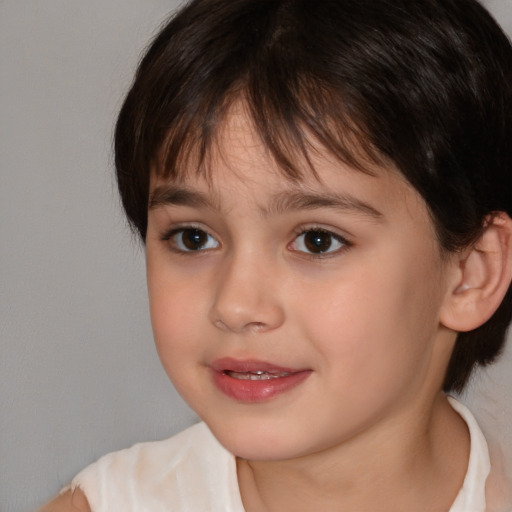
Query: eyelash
(168, 237)
(344, 244)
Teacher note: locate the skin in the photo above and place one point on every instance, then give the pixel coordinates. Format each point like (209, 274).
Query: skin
(369, 429)
(70, 501)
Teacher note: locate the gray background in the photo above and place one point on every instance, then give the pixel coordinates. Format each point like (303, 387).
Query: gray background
(78, 373)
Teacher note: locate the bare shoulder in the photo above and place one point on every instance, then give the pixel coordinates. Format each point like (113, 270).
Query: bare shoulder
(69, 501)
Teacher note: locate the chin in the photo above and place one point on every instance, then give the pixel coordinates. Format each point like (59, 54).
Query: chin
(259, 440)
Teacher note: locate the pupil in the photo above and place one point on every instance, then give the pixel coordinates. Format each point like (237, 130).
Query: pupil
(194, 239)
(316, 241)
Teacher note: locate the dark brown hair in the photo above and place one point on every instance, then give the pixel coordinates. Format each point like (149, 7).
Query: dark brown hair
(425, 84)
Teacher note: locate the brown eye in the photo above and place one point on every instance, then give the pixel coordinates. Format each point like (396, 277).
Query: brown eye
(317, 241)
(191, 239)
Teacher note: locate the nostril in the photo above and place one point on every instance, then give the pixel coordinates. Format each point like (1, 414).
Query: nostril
(249, 326)
(256, 326)
(220, 325)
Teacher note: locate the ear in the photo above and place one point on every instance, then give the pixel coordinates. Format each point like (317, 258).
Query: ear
(481, 278)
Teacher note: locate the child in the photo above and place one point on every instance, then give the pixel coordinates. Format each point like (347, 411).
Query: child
(324, 190)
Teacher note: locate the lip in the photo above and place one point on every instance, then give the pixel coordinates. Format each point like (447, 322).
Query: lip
(278, 379)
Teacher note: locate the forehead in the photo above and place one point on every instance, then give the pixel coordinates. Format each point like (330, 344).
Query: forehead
(239, 163)
(238, 128)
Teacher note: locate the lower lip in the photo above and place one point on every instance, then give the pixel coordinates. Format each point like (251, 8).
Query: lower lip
(252, 391)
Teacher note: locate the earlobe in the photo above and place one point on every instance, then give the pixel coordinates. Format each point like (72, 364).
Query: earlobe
(484, 274)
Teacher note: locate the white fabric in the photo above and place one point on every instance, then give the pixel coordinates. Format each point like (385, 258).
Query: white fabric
(471, 497)
(192, 472)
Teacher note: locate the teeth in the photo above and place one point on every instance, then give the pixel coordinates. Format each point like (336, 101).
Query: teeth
(257, 375)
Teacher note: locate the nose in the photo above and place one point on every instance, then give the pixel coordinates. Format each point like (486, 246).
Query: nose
(247, 297)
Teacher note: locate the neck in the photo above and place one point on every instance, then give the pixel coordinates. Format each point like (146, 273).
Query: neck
(415, 460)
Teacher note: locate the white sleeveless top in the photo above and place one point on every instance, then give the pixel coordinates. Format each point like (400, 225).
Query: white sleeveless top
(192, 472)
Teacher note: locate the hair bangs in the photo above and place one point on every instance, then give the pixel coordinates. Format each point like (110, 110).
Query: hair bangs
(293, 119)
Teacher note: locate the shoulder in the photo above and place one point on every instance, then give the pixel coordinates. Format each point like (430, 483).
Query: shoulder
(141, 463)
(151, 458)
(498, 487)
(68, 501)
(184, 472)
(486, 486)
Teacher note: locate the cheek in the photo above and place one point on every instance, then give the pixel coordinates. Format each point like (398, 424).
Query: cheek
(377, 322)
(174, 316)
(176, 331)
(174, 302)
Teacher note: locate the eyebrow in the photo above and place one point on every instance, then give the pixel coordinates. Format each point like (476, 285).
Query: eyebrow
(286, 201)
(170, 195)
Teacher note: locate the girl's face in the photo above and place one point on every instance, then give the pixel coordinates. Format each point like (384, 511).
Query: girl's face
(294, 317)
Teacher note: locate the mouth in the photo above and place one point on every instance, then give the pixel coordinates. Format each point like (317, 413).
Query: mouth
(257, 375)
(251, 381)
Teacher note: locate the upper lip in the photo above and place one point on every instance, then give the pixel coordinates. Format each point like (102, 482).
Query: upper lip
(249, 365)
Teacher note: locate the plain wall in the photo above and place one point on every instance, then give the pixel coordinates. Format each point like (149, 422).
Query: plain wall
(78, 372)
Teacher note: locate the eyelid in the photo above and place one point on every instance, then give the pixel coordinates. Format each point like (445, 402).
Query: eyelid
(167, 235)
(346, 244)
